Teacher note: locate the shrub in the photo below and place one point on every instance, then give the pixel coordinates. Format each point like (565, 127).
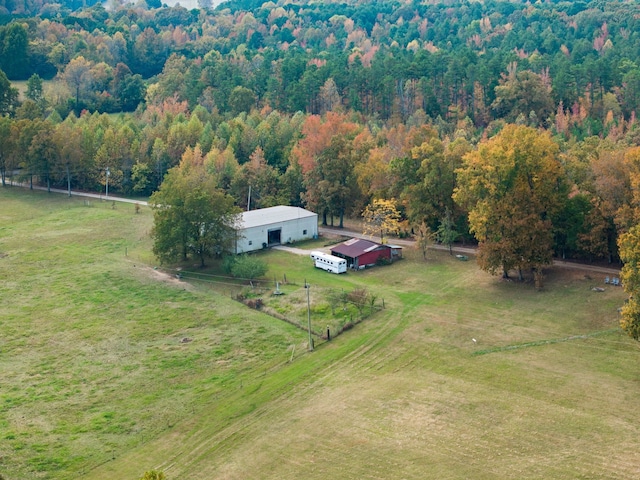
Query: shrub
(381, 261)
(358, 297)
(249, 267)
(153, 475)
(254, 303)
(227, 263)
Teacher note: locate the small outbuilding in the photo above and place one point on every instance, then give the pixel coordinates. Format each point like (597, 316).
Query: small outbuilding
(360, 253)
(271, 226)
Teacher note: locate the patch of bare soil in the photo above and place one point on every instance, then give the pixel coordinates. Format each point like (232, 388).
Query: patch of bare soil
(568, 275)
(162, 276)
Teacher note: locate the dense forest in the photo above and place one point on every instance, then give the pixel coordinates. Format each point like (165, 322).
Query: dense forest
(333, 105)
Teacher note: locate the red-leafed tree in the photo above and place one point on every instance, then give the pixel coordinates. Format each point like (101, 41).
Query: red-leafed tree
(328, 154)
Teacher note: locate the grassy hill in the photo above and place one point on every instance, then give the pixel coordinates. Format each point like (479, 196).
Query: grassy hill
(110, 368)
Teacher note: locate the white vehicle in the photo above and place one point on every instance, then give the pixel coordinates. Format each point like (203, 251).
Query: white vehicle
(327, 262)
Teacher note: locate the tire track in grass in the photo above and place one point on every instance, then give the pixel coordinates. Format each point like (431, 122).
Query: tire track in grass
(539, 343)
(529, 432)
(356, 359)
(227, 436)
(486, 448)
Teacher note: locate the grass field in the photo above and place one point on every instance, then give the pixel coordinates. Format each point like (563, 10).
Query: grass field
(96, 381)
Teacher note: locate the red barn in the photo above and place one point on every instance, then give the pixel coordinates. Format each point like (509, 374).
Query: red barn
(360, 253)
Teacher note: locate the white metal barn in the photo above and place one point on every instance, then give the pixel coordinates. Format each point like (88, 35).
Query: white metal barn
(266, 227)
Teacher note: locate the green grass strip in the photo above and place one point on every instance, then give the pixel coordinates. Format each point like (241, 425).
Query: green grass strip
(544, 342)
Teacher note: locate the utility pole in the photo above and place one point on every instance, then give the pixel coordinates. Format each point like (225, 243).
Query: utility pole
(308, 287)
(107, 176)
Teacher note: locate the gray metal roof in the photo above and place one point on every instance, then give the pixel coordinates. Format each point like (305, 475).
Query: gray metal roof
(271, 215)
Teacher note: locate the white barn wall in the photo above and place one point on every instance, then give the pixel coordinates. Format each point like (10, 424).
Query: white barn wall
(292, 229)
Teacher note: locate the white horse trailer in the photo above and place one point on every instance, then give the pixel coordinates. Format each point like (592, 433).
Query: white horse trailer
(327, 262)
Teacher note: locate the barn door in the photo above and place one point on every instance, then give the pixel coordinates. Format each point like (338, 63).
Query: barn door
(273, 236)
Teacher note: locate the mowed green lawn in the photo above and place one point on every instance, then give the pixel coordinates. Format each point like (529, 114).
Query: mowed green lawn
(95, 381)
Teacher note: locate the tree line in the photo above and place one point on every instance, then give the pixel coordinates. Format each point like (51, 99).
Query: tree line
(337, 164)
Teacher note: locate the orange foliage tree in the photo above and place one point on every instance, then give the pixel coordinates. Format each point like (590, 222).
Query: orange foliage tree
(328, 154)
(512, 188)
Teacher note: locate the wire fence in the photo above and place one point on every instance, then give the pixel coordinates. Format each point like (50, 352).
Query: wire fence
(326, 312)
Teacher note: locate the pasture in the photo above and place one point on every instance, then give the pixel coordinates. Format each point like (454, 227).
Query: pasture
(110, 368)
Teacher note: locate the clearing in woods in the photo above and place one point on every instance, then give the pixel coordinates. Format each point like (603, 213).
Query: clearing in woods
(110, 369)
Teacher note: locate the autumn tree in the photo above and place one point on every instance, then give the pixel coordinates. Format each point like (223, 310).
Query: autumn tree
(77, 74)
(331, 186)
(43, 152)
(115, 153)
(328, 154)
(512, 188)
(72, 159)
(522, 93)
(431, 194)
(259, 181)
(407, 174)
(629, 245)
(374, 175)
(329, 96)
(24, 132)
(7, 146)
(632, 164)
(223, 166)
(381, 216)
(424, 237)
(192, 217)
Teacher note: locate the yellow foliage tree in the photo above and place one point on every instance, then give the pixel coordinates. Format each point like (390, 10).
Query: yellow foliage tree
(629, 245)
(381, 216)
(424, 237)
(512, 187)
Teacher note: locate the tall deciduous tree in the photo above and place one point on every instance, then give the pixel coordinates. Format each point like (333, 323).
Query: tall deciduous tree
(327, 155)
(43, 152)
(14, 50)
(629, 245)
(7, 147)
(512, 188)
(8, 95)
(447, 232)
(72, 160)
(331, 185)
(381, 217)
(192, 217)
(77, 74)
(35, 90)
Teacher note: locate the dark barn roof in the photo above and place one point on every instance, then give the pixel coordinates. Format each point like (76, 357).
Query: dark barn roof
(355, 247)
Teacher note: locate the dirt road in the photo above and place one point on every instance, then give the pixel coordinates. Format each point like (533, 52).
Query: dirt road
(468, 250)
(73, 193)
